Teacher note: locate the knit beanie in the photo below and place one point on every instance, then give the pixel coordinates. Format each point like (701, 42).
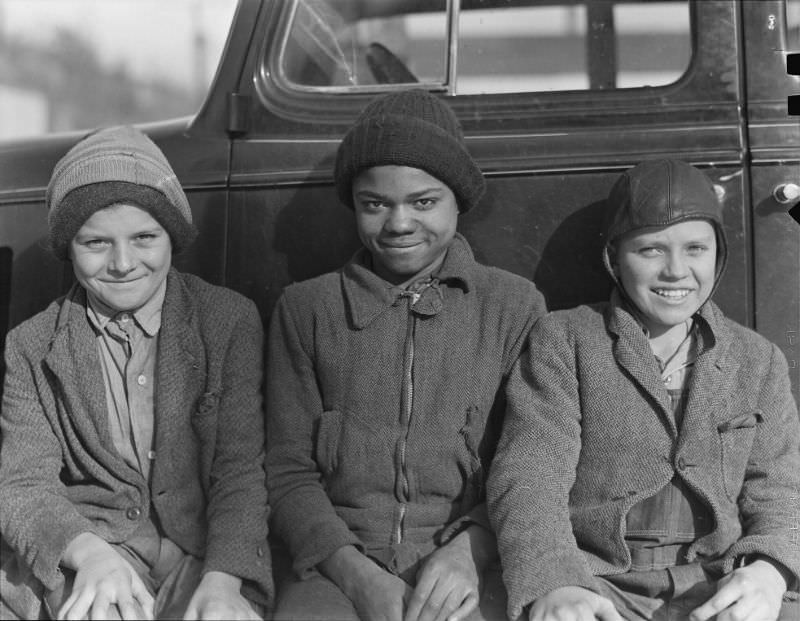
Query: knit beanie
(660, 193)
(409, 128)
(111, 166)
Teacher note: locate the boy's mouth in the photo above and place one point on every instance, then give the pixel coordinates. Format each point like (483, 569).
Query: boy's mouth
(672, 294)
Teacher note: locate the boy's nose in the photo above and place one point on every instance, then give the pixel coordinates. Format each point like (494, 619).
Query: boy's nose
(399, 220)
(122, 259)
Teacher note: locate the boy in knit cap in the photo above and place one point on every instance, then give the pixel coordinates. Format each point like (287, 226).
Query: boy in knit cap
(649, 464)
(385, 387)
(131, 478)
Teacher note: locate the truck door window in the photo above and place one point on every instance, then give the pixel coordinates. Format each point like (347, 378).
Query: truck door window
(498, 46)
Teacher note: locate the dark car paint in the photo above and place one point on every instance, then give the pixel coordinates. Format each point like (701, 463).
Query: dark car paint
(256, 162)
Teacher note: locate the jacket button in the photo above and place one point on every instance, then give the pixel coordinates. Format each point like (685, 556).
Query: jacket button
(133, 513)
(681, 463)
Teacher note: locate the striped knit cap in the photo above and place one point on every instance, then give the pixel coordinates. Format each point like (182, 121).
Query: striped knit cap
(112, 166)
(409, 128)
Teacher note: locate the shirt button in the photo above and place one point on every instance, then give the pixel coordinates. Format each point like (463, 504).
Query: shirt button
(259, 551)
(141, 380)
(124, 317)
(151, 455)
(133, 513)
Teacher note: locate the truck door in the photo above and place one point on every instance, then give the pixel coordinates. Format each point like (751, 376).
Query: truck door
(770, 30)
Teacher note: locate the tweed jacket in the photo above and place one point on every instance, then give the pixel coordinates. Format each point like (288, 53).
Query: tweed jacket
(588, 435)
(59, 473)
(383, 410)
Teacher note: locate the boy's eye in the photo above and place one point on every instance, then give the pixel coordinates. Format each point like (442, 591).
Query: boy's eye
(95, 244)
(426, 202)
(649, 251)
(371, 206)
(697, 249)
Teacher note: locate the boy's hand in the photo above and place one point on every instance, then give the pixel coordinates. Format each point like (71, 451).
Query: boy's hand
(754, 591)
(105, 583)
(573, 603)
(448, 584)
(376, 594)
(218, 596)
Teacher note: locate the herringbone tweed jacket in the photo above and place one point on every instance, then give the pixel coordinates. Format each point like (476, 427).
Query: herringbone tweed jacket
(588, 434)
(59, 473)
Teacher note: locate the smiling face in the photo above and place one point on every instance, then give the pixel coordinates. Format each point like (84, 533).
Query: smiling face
(405, 218)
(121, 255)
(667, 272)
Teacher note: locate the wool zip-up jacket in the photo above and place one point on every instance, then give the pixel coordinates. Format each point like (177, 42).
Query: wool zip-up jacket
(588, 435)
(384, 409)
(60, 475)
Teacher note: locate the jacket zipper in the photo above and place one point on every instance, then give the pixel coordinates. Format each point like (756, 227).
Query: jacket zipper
(408, 381)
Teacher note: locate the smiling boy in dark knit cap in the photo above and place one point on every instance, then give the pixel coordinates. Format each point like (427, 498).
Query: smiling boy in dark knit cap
(131, 479)
(385, 387)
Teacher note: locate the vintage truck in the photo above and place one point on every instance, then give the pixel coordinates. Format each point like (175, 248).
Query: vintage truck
(556, 99)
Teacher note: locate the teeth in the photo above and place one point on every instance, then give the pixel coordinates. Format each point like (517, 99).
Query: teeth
(672, 293)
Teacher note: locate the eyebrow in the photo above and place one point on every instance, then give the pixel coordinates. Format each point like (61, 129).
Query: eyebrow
(367, 193)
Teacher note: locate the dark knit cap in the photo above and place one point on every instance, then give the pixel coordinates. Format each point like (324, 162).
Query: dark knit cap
(112, 166)
(660, 193)
(409, 128)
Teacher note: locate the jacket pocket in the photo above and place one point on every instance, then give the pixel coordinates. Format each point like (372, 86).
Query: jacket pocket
(472, 433)
(204, 424)
(736, 437)
(327, 443)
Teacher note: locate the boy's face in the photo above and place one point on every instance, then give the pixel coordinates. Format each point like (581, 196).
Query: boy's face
(121, 254)
(668, 272)
(406, 219)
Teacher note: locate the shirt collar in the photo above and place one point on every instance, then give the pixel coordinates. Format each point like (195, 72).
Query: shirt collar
(367, 295)
(147, 316)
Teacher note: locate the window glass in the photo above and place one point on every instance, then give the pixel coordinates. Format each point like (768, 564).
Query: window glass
(502, 47)
(594, 45)
(793, 25)
(78, 64)
(343, 43)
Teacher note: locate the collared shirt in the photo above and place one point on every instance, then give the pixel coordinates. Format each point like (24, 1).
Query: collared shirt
(128, 344)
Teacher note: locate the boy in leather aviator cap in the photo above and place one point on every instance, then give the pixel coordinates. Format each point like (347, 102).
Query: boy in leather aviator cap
(649, 464)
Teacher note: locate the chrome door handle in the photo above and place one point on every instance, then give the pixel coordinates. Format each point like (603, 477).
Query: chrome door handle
(786, 192)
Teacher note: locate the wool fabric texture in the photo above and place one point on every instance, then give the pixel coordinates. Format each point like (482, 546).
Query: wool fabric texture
(661, 193)
(410, 128)
(60, 475)
(338, 376)
(111, 166)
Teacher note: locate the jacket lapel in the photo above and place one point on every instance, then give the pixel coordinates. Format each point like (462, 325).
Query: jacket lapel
(632, 352)
(181, 373)
(75, 362)
(706, 401)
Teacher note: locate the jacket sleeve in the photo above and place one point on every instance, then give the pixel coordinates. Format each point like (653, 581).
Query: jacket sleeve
(237, 511)
(769, 501)
(37, 519)
(534, 470)
(532, 306)
(303, 515)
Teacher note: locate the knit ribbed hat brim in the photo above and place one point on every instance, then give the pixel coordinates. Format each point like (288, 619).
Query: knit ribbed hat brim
(112, 166)
(410, 128)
